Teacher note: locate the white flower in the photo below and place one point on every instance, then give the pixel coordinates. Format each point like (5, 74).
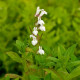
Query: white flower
(37, 11)
(42, 28)
(35, 32)
(40, 51)
(40, 22)
(32, 36)
(34, 41)
(42, 13)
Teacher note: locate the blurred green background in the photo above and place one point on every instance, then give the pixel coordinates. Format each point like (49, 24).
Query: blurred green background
(17, 17)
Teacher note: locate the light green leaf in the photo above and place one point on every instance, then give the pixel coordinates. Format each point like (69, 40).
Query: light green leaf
(14, 56)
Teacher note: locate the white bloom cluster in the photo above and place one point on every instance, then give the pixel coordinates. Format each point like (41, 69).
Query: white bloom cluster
(39, 26)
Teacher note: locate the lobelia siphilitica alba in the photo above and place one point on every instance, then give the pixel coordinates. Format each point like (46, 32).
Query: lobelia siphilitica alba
(39, 26)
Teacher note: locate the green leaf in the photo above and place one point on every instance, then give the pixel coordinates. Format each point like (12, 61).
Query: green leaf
(21, 46)
(74, 73)
(48, 77)
(61, 51)
(75, 63)
(52, 59)
(69, 53)
(13, 76)
(40, 58)
(17, 79)
(54, 74)
(50, 64)
(14, 56)
(33, 77)
(59, 20)
(62, 72)
(28, 49)
(33, 67)
(3, 11)
(7, 78)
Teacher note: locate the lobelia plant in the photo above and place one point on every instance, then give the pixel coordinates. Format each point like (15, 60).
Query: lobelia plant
(59, 64)
(29, 59)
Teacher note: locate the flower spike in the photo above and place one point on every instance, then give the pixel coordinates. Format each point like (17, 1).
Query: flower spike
(39, 26)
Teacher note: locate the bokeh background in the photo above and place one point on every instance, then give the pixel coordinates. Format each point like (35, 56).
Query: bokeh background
(17, 17)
